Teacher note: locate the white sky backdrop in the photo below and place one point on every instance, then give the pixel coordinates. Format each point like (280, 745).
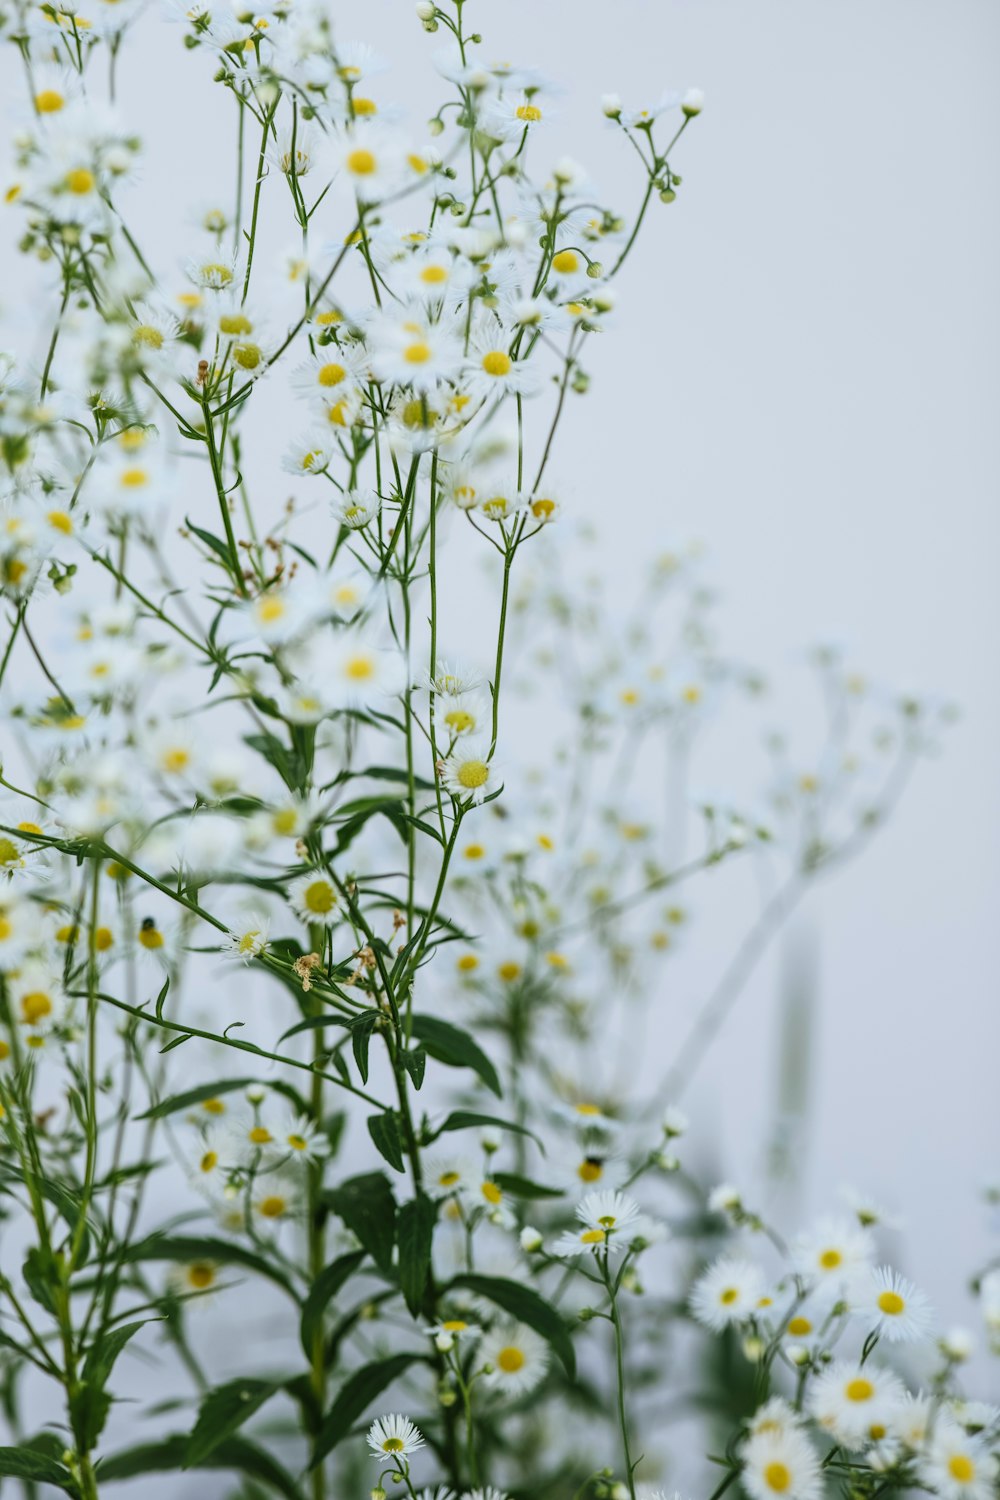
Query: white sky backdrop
(804, 375)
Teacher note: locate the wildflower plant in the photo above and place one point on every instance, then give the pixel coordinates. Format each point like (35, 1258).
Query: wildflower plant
(246, 779)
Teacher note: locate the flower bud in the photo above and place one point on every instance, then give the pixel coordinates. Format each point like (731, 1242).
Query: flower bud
(611, 106)
(425, 10)
(693, 103)
(531, 1239)
(667, 195)
(595, 270)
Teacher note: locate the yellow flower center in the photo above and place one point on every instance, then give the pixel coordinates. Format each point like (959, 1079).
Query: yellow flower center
(209, 1161)
(529, 113)
(961, 1467)
(133, 479)
(393, 1445)
(777, 1477)
(359, 668)
(49, 102)
(201, 1275)
(213, 1106)
(365, 106)
(590, 1170)
(270, 609)
(510, 1359)
(247, 356)
(509, 971)
(565, 261)
(799, 1327)
(542, 509)
(232, 323)
(330, 374)
(830, 1259)
(59, 520)
(176, 759)
(891, 1303)
(297, 1142)
(474, 851)
(859, 1389)
(362, 162)
(9, 853)
(449, 1179)
(496, 362)
(491, 1192)
(150, 937)
(729, 1296)
(593, 1237)
(260, 1135)
(467, 963)
(103, 939)
(319, 897)
(460, 721)
(273, 1206)
(472, 774)
(147, 336)
(434, 275)
(80, 181)
(35, 1006)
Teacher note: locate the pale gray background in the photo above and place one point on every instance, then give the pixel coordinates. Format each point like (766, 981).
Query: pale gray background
(805, 363)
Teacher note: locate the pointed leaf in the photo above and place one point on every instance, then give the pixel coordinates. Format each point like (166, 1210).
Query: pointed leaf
(321, 1293)
(385, 1133)
(354, 1398)
(451, 1045)
(222, 1411)
(414, 1233)
(528, 1307)
(368, 1208)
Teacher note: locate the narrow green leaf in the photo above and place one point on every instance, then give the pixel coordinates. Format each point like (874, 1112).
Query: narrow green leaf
(465, 1119)
(190, 1097)
(97, 1369)
(321, 1293)
(414, 1060)
(523, 1187)
(186, 1248)
(222, 1411)
(456, 1048)
(354, 1397)
(22, 1463)
(368, 1208)
(414, 1233)
(528, 1307)
(385, 1133)
(361, 1035)
(234, 1453)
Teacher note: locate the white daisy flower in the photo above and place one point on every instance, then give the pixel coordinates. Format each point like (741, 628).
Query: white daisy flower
(250, 942)
(314, 898)
(492, 372)
(833, 1254)
(892, 1305)
(517, 1357)
(355, 509)
(728, 1292)
(394, 1437)
(410, 351)
(469, 774)
(856, 1404)
(958, 1467)
(359, 672)
(781, 1463)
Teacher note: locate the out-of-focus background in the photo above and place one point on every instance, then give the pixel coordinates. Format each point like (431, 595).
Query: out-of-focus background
(803, 375)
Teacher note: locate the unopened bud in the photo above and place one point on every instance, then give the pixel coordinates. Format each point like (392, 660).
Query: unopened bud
(425, 10)
(611, 106)
(693, 103)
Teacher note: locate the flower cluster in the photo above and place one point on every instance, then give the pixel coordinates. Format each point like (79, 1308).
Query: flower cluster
(261, 809)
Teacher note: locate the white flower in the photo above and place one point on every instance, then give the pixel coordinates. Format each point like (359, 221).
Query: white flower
(394, 1437)
(249, 943)
(410, 351)
(469, 774)
(728, 1292)
(355, 508)
(358, 671)
(958, 1467)
(491, 371)
(315, 898)
(781, 1462)
(855, 1403)
(893, 1306)
(606, 1218)
(833, 1255)
(517, 1356)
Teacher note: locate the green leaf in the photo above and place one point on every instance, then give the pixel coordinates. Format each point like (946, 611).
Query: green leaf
(525, 1305)
(22, 1463)
(353, 1399)
(385, 1133)
(523, 1187)
(41, 1277)
(222, 1411)
(233, 1453)
(456, 1048)
(194, 1096)
(368, 1208)
(323, 1290)
(214, 543)
(414, 1233)
(185, 1248)
(414, 1060)
(92, 1411)
(465, 1119)
(361, 1034)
